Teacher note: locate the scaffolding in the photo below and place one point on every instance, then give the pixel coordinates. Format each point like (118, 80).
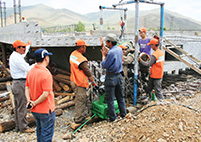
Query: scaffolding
(137, 35)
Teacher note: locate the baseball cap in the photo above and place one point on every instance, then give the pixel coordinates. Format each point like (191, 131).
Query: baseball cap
(18, 43)
(80, 42)
(143, 30)
(41, 53)
(153, 41)
(111, 37)
(123, 47)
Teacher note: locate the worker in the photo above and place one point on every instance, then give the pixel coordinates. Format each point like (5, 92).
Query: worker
(23, 19)
(128, 58)
(156, 71)
(112, 61)
(143, 41)
(18, 69)
(80, 73)
(40, 96)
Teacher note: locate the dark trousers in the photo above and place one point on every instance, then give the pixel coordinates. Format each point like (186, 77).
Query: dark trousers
(18, 89)
(114, 88)
(156, 85)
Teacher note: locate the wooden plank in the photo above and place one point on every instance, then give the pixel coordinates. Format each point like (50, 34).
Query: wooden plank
(64, 94)
(184, 61)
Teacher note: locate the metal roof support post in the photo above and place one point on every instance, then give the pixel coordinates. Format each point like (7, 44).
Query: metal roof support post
(161, 25)
(136, 52)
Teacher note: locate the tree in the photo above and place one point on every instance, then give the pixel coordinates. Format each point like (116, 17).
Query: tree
(80, 27)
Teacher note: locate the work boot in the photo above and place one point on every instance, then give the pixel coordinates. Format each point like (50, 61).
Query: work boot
(29, 130)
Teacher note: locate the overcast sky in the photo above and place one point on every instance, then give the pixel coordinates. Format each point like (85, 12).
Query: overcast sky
(189, 8)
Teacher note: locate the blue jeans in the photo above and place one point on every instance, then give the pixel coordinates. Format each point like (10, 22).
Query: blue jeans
(45, 126)
(114, 88)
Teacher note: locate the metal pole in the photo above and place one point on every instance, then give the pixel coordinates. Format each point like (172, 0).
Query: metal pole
(1, 8)
(4, 13)
(14, 5)
(161, 25)
(125, 20)
(101, 19)
(19, 6)
(136, 52)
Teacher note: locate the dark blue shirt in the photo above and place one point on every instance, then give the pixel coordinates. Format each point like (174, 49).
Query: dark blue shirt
(114, 60)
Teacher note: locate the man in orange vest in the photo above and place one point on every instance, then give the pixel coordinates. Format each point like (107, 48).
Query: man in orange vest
(156, 71)
(80, 73)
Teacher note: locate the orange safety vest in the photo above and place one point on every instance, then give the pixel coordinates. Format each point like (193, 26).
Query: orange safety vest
(156, 70)
(78, 76)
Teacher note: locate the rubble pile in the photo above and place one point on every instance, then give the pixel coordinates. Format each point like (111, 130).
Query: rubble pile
(157, 123)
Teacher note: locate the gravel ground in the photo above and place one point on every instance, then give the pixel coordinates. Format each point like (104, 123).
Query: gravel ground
(160, 122)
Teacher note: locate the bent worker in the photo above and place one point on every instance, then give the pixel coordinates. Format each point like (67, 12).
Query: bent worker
(156, 71)
(40, 96)
(18, 69)
(128, 58)
(112, 61)
(80, 73)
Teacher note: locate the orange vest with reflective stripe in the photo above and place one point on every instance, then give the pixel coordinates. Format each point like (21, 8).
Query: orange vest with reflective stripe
(78, 76)
(156, 70)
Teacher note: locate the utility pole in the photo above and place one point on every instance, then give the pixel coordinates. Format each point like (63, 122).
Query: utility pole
(14, 5)
(19, 6)
(4, 13)
(1, 14)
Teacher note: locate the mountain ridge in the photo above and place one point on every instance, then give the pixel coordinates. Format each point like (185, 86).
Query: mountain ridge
(48, 17)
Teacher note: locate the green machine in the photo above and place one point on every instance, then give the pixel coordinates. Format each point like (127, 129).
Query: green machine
(99, 107)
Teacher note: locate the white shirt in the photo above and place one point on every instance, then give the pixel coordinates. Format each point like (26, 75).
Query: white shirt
(18, 66)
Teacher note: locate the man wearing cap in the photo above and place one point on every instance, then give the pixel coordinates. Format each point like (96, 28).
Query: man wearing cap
(18, 69)
(156, 71)
(112, 61)
(80, 73)
(146, 49)
(40, 96)
(128, 58)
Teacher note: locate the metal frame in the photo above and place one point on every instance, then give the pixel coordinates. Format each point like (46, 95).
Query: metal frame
(114, 8)
(137, 36)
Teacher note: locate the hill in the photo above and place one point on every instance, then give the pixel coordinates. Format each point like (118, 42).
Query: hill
(48, 16)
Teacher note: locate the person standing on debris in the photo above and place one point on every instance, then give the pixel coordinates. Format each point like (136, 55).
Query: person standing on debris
(112, 61)
(146, 49)
(128, 58)
(40, 96)
(80, 73)
(156, 71)
(18, 69)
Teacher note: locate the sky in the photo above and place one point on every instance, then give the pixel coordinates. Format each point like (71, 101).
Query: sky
(189, 8)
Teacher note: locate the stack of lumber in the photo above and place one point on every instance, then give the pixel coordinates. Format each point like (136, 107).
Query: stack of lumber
(64, 96)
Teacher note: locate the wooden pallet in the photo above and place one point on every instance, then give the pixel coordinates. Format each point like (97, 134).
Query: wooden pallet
(196, 63)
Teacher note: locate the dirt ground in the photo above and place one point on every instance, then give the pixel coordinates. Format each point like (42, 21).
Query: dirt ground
(177, 119)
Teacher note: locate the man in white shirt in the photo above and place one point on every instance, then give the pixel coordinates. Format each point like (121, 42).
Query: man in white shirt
(18, 69)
